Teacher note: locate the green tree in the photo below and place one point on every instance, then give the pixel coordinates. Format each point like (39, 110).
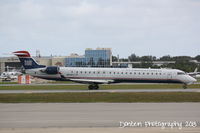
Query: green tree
(133, 57)
(166, 58)
(148, 58)
(114, 59)
(197, 57)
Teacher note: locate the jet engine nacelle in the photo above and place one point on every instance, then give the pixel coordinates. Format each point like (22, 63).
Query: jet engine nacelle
(52, 70)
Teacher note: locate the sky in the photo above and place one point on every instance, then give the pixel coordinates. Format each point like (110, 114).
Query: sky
(62, 27)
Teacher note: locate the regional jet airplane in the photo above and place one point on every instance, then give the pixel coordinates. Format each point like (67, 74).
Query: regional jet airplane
(96, 76)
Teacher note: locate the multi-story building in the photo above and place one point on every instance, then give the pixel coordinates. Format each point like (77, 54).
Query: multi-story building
(100, 57)
(74, 60)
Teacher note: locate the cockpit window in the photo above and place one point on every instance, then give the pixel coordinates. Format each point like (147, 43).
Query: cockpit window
(180, 73)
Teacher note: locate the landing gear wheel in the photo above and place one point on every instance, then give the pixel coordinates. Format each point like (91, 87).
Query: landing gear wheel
(96, 87)
(90, 87)
(93, 87)
(185, 86)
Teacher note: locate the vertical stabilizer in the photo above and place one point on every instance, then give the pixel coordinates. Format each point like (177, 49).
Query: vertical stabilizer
(27, 61)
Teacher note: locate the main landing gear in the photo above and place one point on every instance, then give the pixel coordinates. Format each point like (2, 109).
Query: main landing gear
(93, 87)
(185, 86)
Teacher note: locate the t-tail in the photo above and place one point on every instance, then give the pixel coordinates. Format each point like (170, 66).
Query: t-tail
(26, 60)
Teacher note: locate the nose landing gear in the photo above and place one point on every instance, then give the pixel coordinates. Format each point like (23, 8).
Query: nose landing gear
(93, 87)
(185, 86)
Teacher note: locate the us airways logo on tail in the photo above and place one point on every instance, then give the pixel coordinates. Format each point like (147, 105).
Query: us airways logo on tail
(28, 62)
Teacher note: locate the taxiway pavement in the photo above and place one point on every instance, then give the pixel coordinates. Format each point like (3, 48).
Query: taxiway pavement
(86, 115)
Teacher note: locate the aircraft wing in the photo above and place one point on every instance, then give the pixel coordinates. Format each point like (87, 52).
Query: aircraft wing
(90, 81)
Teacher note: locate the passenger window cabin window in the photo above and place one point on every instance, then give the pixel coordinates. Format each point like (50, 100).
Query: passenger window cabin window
(104, 72)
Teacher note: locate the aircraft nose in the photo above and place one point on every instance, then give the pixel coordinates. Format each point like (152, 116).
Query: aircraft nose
(189, 80)
(193, 79)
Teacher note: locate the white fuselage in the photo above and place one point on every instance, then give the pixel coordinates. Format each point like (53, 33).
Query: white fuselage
(116, 75)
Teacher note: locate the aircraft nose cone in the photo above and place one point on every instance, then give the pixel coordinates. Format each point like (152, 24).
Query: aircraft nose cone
(193, 79)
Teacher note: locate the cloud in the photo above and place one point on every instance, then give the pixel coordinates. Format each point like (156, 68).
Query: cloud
(155, 27)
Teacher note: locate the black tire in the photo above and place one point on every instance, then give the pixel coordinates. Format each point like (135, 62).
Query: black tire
(90, 87)
(184, 86)
(93, 87)
(96, 87)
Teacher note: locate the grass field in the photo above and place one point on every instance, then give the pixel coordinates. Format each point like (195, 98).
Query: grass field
(82, 87)
(100, 97)
(8, 82)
